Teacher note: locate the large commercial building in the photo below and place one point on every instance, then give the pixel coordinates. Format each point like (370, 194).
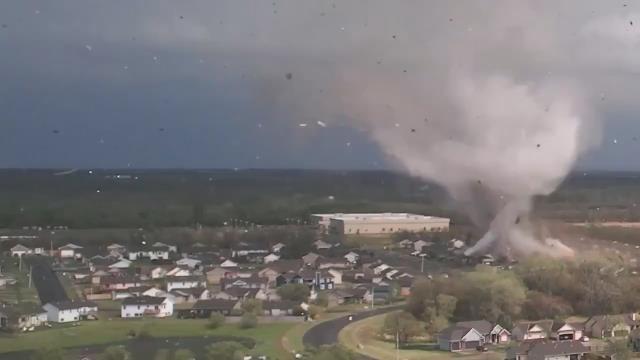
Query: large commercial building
(379, 223)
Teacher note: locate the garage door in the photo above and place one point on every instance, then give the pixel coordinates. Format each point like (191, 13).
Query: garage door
(471, 344)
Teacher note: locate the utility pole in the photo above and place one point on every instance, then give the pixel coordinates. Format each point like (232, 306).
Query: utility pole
(30, 275)
(397, 345)
(373, 296)
(422, 262)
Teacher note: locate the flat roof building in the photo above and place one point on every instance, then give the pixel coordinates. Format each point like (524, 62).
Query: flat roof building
(379, 223)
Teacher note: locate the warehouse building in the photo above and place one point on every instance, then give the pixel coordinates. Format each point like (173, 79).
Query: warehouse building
(379, 223)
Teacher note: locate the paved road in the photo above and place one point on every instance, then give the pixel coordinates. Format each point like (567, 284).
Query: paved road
(46, 281)
(326, 333)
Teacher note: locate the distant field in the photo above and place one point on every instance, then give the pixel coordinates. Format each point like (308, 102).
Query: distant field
(633, 225)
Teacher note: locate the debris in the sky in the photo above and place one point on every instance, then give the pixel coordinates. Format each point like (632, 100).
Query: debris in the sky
(322, 14)
(289, 76)
(37, 12)
(450, 19)
(518, 220)
(348, 143)
(615, 141)
(413, 130)
(88, 47)
(181, 17)
(101, 141)
(404, 71)
(155, 58)
(393, 36)
(201, 61)
(260, 126)
(480, 182)
(98, 190)
(397, 125)
(635, 138)
(4, 26)
(257, 157)
(161, 129)
(538, 145)
(321, 123)
(302, 125)
(631, 23)
(331, 197)
(55, 131)
(125, 67)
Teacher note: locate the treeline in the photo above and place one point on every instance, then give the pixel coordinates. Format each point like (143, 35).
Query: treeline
(538, 288)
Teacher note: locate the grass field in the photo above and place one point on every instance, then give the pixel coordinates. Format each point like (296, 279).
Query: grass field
(20, 292)
(362, 337)
(267, 336)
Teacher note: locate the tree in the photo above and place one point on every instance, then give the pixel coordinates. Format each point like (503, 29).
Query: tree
(225, 350)
(184, 354)
(294, 292)
(402, 324)
(115, 353)
(619, 348)
(248, 321)
(48, 353)
(216, 320)
(542, 306)
(252, 306)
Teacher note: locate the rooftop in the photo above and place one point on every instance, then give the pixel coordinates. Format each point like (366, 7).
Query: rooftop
(378, 217)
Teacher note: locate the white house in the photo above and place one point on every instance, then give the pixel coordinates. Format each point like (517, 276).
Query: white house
(171, 248)
(184, 282)
(116, 247)
(352, 257)
(155, 292)
(20, 250)
(68, 311)
(337, 276)
(277, 247)
(191, 263)
(419, 245)
(179, 271)
(322, 245)
(271, 258)
(70, 251)
(158, 272)
(459, 338)
(121, 264)
(134, 307)
(229, 264)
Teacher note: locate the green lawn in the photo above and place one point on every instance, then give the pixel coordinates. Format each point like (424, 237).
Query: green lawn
(362, 337)
(20, 292)
(267, 336)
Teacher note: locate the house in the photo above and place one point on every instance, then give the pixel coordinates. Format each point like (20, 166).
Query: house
(116, 247)
(541, 349)
(493, 334)
(337, 276)
(158, 272)
(562, 330)
(204, 308)
(215, 275)
(252, 282)
(179, 271)
(320, 280)
(68, 311)
(277, 247)
(184, 282)
(134, 307)
(171, 248)
(459, 338)
(322, 245)
(155, 292)
(121, 264)
(271, 258)
(250, 253)
(190, 263)
(279, 308)
(120, 282)
(272, 270)
(377, 293)
(406, 243)
(19, 250)
(343, 296)
(180, 296)
(310, 259)
(21, 316)
(351, 257)
(236, 293)
(532, 330)
(70, 251)
(336, 263)
(606, 326)
(152, 253)
(229, 264)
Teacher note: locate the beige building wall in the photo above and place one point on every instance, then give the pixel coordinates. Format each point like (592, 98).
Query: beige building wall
(387, 226)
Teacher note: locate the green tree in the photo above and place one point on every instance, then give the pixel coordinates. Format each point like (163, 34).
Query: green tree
(402, 324)
(184, 354)
(248, 321)
(216, 320)
(225, 350)
(115, 353)
(48, 353)
(252, 306)
(619, 348)
(294, 292)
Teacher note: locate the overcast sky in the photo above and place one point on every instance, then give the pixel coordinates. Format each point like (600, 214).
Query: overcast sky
(213, 84)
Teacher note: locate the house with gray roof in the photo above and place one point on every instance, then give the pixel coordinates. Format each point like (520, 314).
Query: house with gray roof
(460, 338)
(541, 349)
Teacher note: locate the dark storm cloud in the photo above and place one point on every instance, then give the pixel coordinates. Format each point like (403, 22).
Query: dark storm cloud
(92, 83)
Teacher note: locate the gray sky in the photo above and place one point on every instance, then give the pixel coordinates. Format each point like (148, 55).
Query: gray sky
(204, 83)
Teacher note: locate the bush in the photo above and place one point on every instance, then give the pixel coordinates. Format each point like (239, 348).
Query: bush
(215, 320)
(225, 350)
(315, 311)
(248, 321)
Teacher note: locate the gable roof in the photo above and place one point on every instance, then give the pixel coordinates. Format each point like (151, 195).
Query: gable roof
(483, 326)
(543, 349)
(143, 300)
(68, 305)
(20, 247)
(455, 333)
(215, 305)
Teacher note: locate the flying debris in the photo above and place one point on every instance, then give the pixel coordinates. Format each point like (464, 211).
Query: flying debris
(302, 125)
(181, 17)
(289, 76)
(66, 172)
(321, 123)
(348, 143)
(4, 26)
(615, 141)
(538, 145)
(88, 47)
(55, 131)
(161, 129)
(413, 130)
(397, 125)
(393, 36)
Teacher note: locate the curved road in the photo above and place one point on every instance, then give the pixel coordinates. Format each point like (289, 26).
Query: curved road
(326, 333)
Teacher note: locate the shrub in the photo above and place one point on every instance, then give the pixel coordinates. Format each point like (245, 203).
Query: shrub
(248, 321)
(215, 320)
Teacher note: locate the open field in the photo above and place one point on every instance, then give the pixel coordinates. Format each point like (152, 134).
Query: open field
(362, 337)
(267, 336)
